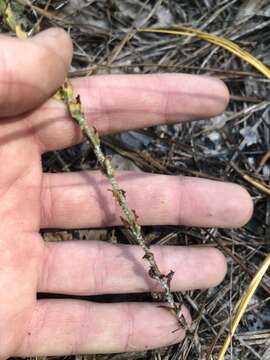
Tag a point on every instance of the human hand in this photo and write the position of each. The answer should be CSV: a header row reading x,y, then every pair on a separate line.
x,y
30,124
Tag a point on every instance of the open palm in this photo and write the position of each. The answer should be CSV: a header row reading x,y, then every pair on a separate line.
x,y
30,124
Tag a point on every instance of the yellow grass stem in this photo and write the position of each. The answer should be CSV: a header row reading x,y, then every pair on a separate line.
x,y
243,304
225,43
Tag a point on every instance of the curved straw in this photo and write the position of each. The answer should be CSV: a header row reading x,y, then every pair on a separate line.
x,y
243,54
244,303
225,43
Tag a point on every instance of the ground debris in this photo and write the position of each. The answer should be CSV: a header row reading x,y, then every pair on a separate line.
x,y
240,136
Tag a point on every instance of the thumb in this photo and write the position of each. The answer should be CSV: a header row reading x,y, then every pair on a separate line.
x,y
32,70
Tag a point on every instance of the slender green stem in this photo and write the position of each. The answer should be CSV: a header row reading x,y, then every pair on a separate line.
x,y
131,218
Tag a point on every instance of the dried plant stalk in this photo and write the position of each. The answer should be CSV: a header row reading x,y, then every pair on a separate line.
x,y
65,94
130,220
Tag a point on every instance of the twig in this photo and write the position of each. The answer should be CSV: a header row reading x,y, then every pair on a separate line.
x,y
130,220
259,185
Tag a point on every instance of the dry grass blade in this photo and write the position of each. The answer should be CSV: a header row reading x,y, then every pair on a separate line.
x,y
244,303
225,43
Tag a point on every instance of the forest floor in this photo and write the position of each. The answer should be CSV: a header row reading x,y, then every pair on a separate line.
x,y
226,147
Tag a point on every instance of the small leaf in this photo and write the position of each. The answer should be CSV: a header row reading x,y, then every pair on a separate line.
x,y
125,222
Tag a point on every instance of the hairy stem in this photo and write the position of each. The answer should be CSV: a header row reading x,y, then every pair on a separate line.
x,y
131,218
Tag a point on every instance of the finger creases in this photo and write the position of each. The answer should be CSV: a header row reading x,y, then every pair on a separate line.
x,y
31,70
119,102
94,268
83,199
78,327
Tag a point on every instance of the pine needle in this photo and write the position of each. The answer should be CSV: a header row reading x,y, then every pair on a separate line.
x,y
252,60
225,43
244,303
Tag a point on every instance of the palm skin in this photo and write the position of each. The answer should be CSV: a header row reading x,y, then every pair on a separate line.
x,y
22,248
31,200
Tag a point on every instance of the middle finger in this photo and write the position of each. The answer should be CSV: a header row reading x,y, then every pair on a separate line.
x,y
118,103
95,267
82,200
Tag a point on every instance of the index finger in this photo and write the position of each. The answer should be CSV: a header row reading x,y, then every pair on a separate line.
x,y
120,102
31,70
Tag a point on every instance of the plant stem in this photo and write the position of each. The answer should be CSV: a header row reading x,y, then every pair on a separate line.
x,y
130,220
